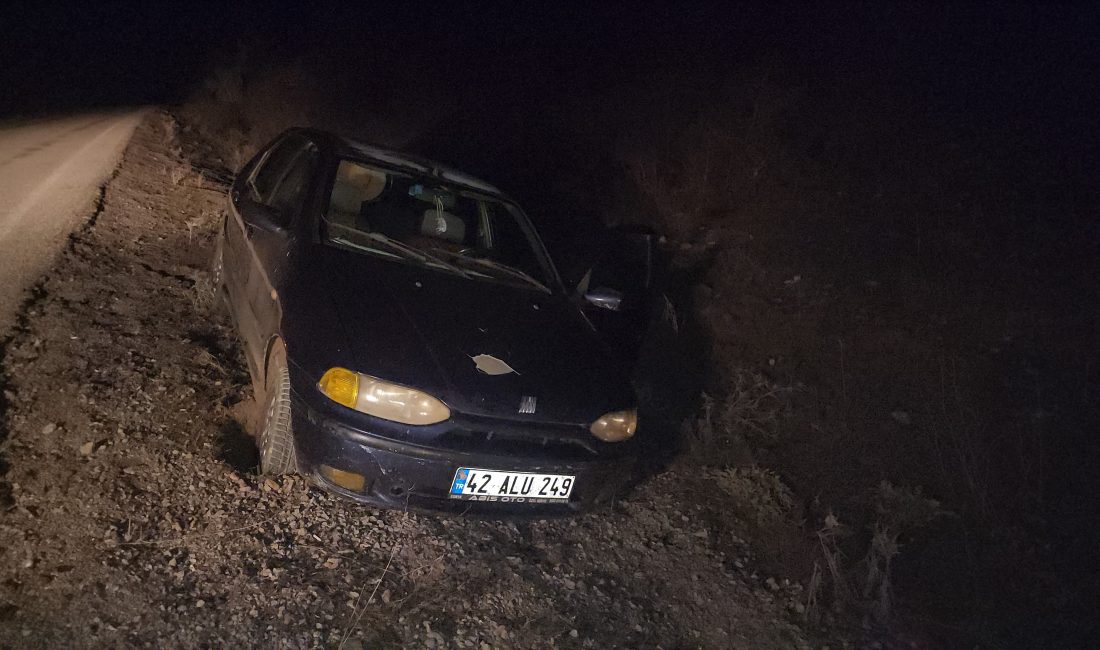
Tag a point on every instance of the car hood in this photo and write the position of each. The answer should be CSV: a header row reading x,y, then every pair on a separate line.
x,y
429,330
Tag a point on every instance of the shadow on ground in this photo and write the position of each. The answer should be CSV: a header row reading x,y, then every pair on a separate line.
x,y
237,448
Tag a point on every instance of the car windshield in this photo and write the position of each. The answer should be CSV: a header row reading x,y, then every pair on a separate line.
x,y
420,220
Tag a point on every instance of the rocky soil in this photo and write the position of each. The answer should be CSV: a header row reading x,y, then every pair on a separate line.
x,y
131,513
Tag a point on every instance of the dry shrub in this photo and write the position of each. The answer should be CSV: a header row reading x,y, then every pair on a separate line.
x,y
828,537
867,584
275,101
205,296
898,511
754,405
750,412
176,174
699,167
235,113
757,494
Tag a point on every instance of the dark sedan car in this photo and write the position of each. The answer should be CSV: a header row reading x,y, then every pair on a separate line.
x,y
412,340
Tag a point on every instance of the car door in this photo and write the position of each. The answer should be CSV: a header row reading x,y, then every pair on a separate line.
x,y
236,258
264,208
272,243
622,288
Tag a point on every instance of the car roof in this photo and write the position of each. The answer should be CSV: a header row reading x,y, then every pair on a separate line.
x,y
348,148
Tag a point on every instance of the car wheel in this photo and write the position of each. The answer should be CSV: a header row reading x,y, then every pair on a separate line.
x,y
277,453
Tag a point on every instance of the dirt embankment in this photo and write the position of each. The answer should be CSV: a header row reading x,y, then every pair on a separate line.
x,y
130,513
890,296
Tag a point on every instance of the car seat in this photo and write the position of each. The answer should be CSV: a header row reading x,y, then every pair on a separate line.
x,y
354,186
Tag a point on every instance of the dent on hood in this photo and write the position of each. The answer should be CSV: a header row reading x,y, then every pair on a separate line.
x,y
490,365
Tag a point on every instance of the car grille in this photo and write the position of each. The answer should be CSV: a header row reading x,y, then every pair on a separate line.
x,y
555,445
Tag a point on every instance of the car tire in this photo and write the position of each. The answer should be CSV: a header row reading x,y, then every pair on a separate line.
x,y
277,452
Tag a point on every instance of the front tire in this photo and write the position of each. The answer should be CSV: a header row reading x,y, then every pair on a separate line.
x,y
277,452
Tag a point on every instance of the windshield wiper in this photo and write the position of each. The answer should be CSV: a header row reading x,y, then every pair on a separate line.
x,y
408,251
511,270
347,242
393,243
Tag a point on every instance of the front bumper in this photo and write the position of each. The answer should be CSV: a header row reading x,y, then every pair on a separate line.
x,y
418,477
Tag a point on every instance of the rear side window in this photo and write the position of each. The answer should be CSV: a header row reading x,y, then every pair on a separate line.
x,y
282,181
267,177
291,191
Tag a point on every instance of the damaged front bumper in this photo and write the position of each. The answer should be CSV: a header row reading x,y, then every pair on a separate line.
x,y
416,474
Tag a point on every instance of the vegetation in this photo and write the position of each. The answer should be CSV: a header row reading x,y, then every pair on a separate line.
x,y
875,342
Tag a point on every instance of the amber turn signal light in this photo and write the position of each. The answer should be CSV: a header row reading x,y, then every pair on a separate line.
x,y
343,478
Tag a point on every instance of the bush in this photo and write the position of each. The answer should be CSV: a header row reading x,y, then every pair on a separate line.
x,y
749,412
757,494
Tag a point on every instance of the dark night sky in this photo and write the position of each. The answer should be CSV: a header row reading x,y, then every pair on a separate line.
x,y
1019,74
1019,78
988,53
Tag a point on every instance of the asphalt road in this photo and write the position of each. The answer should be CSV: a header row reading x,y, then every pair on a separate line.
x,y
50,174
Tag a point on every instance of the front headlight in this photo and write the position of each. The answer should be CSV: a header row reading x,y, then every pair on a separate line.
x,y
382,399
615,426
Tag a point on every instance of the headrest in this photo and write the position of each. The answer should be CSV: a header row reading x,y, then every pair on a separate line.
x,y
443,225
356,185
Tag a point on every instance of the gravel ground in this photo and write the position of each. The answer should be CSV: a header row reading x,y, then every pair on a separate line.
x,y
131,515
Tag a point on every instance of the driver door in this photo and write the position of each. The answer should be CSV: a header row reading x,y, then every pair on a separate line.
x,y
264,209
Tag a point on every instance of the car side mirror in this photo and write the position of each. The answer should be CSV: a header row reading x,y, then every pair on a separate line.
x,y
263,217
604,298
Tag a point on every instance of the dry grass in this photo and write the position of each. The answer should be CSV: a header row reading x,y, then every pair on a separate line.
x,y
176,173
867,585
898,511
757,494
833,559
236,114
711,164
749,412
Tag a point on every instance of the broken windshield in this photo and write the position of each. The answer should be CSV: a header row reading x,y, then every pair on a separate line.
x,y
421,220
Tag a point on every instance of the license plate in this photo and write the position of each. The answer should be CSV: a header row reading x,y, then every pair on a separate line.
x,y
473,484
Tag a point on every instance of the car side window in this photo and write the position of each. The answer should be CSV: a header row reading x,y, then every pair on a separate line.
x,y
509,243
266,179
282,180
291,191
